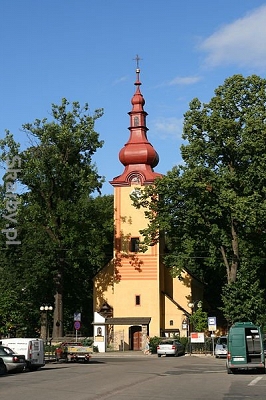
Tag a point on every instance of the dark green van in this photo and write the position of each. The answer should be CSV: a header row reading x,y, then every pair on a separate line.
x,y
245,348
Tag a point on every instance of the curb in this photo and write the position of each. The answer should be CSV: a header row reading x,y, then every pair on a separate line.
x,y
119,354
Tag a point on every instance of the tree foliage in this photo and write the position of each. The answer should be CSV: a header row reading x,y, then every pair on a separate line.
x,y
244,299
66,232
212,208
199,320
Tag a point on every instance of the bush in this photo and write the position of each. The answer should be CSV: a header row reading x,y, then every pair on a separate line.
x,y
87,342
185,343
49,349
154,341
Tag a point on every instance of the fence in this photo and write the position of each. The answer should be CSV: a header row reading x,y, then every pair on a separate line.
x,y
201,348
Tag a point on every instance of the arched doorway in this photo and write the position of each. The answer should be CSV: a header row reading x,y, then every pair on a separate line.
x,y
135,336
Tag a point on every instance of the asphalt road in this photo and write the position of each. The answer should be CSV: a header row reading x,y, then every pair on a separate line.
x,y
135,378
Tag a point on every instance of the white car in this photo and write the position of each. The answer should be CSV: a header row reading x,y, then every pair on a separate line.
x,y
221,347
170,347
13,361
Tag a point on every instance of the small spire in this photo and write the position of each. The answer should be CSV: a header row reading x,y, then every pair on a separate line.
x,y
138,155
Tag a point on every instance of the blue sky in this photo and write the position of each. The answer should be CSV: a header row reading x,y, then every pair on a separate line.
x,y
83,50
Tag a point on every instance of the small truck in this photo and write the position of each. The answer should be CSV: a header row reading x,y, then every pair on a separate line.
x,y
74,352
245,348
31,348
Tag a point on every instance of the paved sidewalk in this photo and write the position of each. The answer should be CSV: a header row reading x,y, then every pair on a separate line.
x,y
128,353
139,354
131,353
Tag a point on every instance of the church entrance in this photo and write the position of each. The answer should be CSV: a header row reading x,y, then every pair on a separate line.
x,y
135,337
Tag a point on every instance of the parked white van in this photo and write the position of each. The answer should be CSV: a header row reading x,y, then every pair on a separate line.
x,y
32,349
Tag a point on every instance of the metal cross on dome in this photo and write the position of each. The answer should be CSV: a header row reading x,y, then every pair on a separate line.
x,y
137,59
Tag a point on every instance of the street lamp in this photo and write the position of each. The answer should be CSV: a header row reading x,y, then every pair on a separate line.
x,y
44,310
193,304
185,324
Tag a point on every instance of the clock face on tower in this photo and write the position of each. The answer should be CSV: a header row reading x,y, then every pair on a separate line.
x,y
135,179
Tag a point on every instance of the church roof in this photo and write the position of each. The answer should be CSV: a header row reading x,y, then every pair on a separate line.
x,y
128,321
125,321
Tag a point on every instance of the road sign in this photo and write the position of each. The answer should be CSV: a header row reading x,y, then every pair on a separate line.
x,y
212,324
77,316
77,325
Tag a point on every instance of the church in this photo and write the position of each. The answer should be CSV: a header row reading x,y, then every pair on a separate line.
x,y
135,295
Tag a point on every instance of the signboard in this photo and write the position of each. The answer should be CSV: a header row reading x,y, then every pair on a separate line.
x,y
212,324
77,316
98,338
197,337
184,325
77,325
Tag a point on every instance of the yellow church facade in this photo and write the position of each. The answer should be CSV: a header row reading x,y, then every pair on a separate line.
x,y
135,294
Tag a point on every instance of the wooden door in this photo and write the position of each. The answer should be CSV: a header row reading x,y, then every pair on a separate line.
x,y
136,337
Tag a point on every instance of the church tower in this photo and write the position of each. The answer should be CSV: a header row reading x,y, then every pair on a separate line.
x,y
135,295
136,274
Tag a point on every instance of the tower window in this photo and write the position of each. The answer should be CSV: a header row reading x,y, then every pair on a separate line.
x,y
136,121
134,245
137,300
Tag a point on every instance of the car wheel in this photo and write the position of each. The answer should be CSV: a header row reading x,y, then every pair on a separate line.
x,y
176,354
159,355
32,369
229,371
3,370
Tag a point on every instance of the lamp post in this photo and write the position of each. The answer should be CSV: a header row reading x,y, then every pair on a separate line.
x,y
193,305
44,321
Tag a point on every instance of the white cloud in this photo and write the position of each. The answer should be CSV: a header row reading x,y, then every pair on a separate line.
x,y
119,80
241,42
186,80
167,127
181,80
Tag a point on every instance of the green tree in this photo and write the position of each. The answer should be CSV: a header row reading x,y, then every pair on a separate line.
x,y
199,320
212,208
66,232
244,299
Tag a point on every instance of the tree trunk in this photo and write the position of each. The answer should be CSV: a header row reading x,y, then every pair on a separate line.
x,y
43,325
225,263
58,316
58,306
231,269
235,248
